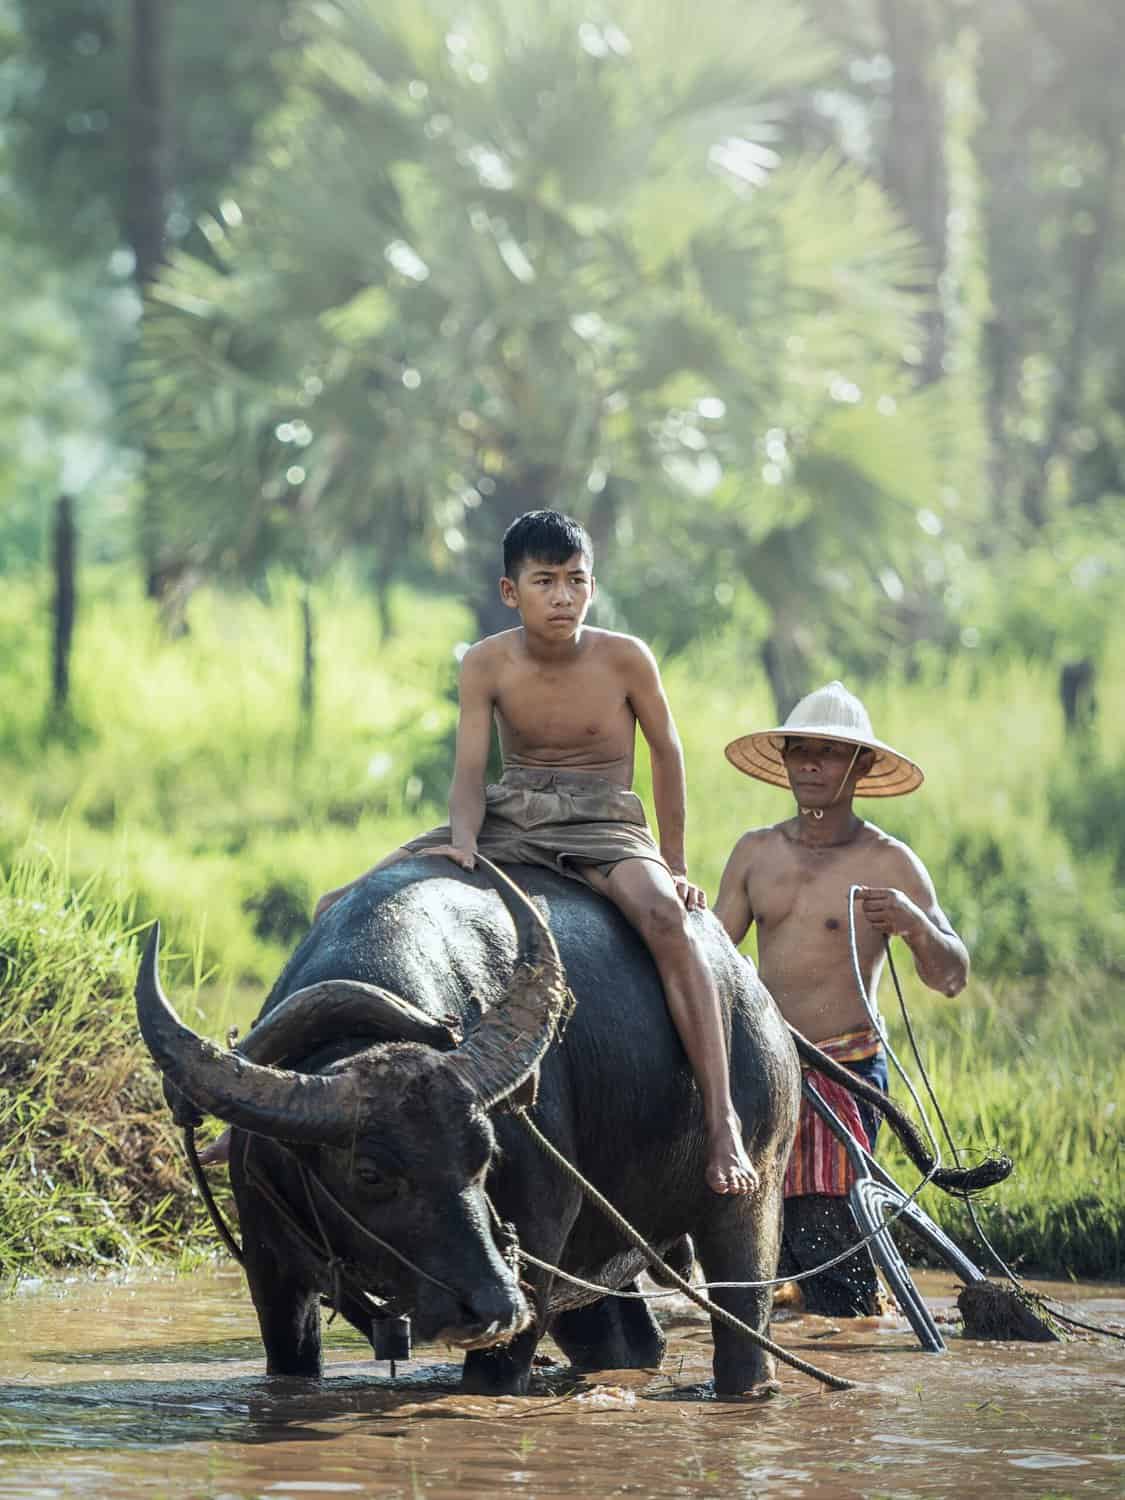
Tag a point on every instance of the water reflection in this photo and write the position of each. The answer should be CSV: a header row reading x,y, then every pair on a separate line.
x,y
155,1389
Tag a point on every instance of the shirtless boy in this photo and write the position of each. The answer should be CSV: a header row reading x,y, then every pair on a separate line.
x,y
793,880
567,699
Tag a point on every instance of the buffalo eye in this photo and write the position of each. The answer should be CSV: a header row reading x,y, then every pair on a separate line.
x,y
378,1184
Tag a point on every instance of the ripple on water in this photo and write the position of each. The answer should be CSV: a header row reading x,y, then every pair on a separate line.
x,y
155,1389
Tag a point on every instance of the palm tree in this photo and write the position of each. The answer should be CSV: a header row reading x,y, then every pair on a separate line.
x,y
500,255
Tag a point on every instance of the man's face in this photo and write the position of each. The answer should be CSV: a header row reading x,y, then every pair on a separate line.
x,y
552,598
819,771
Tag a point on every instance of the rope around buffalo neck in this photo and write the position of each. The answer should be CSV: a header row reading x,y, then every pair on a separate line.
x,y
705,1286
836,1382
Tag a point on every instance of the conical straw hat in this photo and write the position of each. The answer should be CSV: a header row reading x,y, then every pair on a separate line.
x,y
831,713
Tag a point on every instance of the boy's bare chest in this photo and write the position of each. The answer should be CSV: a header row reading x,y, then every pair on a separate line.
x,y
572,704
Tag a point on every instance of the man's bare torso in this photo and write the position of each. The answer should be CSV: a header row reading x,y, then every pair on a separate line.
x,y
571,714
799,898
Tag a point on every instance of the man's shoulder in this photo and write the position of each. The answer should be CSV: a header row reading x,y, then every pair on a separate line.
x,y
756,842
893,853
886,843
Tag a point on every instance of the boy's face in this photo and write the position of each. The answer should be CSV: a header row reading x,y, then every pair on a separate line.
x,y
552,598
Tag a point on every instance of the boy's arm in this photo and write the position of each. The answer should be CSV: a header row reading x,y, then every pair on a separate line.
x,y
669,788
732,906
913,914
474,738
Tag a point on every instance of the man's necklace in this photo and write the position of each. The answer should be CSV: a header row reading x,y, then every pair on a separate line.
x,y
817,813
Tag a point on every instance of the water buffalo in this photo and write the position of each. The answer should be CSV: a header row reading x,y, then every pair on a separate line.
x,y
368,1105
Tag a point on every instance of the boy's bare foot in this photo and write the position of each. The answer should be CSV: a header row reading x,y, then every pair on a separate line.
x,y
729,1169
217,1152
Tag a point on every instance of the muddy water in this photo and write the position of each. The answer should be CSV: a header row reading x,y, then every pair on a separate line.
x,y
154,1389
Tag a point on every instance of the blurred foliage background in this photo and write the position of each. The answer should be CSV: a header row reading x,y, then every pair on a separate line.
x,y
814,314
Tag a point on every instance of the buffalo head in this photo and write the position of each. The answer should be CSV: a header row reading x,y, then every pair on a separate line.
x,y
396,1136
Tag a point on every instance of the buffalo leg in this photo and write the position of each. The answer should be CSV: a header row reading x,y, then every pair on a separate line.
x,y
288,1316
613,1334
501,1371
740,1243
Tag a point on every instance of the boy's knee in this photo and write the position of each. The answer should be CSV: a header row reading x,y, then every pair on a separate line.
x,y
663,921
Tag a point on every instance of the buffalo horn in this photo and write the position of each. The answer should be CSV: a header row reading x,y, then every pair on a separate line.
x,y
504,1049
268,1101
337,1008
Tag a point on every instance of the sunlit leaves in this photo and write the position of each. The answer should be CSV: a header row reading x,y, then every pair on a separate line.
x,y
518,242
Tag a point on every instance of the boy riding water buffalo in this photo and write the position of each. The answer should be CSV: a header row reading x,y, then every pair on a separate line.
x,y
567,700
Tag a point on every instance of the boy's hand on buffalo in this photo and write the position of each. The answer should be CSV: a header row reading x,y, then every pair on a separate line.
x,y
693,896
890,911
466,858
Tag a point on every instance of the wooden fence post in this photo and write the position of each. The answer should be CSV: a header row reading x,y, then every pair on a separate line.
x,y
63,556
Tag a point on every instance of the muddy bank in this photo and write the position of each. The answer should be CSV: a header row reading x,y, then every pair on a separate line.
x,y
155,1388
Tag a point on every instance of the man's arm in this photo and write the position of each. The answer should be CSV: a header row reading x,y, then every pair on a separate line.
x,y
669,789
913,914
732,906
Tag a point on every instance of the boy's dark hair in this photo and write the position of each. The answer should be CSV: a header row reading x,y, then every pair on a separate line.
x,y
547,536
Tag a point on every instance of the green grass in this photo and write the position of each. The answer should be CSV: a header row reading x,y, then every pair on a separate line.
x,y
181,780
90,1171
182,789
1038,1072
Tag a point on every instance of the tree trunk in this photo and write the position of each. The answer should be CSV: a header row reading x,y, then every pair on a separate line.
x,y
1077,694
148,132
307,694
915,171
63,561
1001,368
390,550
534,488
786,668
146,199
1088,263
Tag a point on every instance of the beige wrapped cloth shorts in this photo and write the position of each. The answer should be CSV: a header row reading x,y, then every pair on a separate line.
x,y
562,820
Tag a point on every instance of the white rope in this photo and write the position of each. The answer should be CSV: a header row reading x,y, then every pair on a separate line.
x,y
872,1009
860,1244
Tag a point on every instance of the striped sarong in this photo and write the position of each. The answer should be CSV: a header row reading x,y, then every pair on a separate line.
x,y
819,1162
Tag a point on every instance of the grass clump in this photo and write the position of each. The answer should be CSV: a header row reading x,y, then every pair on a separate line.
x,y
187,786
1038,1073
90,1170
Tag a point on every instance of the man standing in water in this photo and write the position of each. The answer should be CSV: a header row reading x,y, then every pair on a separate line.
x,y
567,700
793,879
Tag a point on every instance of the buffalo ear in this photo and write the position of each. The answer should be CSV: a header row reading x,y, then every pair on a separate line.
x,y
338,1008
